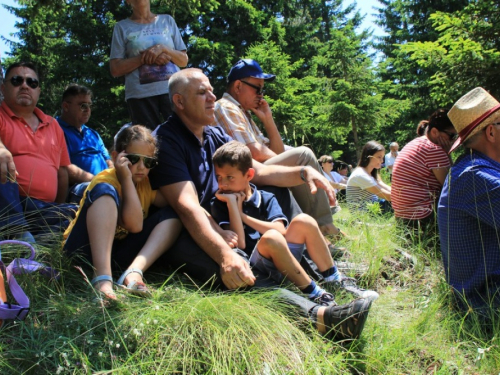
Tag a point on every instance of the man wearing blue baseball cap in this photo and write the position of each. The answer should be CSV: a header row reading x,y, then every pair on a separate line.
x,y
245,95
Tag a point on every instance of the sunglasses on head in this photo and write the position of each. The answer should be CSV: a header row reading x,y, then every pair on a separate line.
x,y
260,90
148,161
17,81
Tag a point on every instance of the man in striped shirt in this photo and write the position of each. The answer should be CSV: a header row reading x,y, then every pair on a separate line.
x,y
233,112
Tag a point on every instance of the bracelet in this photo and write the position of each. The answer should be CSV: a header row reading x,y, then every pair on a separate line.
x,y
302,176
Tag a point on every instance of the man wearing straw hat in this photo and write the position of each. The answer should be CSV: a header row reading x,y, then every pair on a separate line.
x,y
469,207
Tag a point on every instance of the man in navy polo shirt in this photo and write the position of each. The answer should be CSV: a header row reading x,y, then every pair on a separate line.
x,y
86,149
186,178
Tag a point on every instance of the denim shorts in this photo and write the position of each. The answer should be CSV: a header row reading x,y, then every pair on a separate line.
x,y
267,266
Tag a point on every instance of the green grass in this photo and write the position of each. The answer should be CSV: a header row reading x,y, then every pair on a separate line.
x,y
185,329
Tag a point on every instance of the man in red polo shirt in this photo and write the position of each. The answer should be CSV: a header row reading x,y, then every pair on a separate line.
x,y
33,159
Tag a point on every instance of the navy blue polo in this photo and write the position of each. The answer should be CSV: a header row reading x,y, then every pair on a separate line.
x,y
261,205
181,157
86,148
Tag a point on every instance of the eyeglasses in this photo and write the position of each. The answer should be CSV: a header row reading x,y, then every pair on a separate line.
x,y
328,161
84,106
148,161
17,81
453,136
260,90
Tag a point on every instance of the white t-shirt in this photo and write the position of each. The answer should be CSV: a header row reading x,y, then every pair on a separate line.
x,y
130,38
357,196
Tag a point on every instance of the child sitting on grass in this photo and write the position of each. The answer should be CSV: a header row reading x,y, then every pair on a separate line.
x,y
112,223
256,217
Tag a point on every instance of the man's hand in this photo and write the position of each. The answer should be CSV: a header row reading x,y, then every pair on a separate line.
x,y
262,111
235,271
316,180
122,166
7,166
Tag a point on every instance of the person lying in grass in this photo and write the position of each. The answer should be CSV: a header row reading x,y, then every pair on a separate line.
x,y
257,219
112,223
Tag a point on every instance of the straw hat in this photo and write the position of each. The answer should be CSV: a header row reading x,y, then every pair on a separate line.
x,y
473,112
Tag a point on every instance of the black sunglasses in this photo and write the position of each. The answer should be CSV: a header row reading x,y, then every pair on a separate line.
x,y
17,81
453,136
148,161
260,90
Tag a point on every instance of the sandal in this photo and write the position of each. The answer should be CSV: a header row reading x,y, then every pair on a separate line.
x,y
109,296
134,287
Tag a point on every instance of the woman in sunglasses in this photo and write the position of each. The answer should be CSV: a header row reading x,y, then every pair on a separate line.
x,y
420,170
112,223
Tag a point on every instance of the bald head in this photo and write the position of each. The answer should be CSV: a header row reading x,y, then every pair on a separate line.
x,y
192,98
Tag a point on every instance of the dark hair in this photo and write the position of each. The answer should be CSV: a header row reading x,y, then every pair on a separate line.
x,y
439,120
129,134
339,165
325,159
235,154
73,90
21,64
370,149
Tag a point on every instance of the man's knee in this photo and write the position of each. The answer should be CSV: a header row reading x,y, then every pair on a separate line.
x,y
307,157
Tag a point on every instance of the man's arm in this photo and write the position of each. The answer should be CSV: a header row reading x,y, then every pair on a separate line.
x,y
7,166
235,272
77,175
279,175
62,184
265,115
260,152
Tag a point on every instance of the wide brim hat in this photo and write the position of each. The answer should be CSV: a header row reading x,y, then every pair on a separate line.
x,y
472,113
248,68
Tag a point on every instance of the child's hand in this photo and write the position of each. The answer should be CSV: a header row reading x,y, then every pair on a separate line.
x,y
240,198
122,166
224,197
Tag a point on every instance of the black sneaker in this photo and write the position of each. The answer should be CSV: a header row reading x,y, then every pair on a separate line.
x,y
349,284
326,299
346,322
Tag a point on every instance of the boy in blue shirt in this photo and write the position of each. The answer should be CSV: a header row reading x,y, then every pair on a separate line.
x,y
256,217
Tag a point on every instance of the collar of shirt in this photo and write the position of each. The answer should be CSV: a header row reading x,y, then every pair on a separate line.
x,y
256,198
44,119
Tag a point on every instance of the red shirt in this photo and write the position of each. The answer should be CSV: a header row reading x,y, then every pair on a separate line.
x,y
415,188
37,155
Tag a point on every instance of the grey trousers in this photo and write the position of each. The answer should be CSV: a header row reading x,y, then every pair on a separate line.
x,y
316,205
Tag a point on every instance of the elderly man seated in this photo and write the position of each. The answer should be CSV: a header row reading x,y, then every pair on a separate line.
x,y
469,207
245,95
33,160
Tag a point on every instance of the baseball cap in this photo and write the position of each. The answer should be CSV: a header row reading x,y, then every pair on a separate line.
x,y
248,68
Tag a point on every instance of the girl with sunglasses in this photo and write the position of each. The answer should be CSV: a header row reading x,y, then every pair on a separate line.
x,y
112,224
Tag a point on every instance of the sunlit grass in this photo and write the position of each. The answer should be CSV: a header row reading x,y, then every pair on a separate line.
x,y
412,328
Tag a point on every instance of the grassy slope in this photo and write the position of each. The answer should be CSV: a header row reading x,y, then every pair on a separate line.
x,y
186,329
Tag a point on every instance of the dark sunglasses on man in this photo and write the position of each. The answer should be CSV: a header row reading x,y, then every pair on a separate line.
x,y
17,81
260,90
148,161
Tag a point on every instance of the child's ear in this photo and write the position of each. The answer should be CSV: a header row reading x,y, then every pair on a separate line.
x,y
250,174
114,154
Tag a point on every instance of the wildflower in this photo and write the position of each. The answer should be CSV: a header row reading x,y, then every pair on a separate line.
x,y
117,346
136,332
157,307
110,342
64,355
99,354
155,321
59,369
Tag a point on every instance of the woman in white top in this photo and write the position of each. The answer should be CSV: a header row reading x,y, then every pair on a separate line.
x,y
365,185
